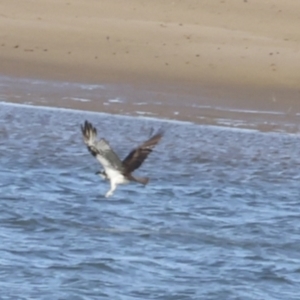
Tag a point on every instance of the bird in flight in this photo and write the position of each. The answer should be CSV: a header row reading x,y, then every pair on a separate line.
x,y
115,170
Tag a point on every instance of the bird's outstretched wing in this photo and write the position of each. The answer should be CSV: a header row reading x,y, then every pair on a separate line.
x,y
100,149
137,156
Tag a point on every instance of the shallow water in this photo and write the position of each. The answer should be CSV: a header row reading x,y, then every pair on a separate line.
x,y
218,220
167,102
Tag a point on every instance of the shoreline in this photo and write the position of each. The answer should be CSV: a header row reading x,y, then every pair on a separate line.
x,y
150,102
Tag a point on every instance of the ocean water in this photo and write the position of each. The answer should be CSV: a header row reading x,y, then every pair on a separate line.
x,y
219,218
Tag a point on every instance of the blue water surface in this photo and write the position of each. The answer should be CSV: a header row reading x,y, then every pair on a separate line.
x,y
219,218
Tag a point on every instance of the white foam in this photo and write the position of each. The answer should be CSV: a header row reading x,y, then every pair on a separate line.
x,y
77,99
144,117
144,113
93,113
140,103
91,87
246,111
116,100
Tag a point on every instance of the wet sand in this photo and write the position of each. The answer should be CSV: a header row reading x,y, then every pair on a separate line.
x,y
234,53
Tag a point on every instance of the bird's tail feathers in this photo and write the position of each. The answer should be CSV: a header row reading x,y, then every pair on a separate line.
x,y
142,180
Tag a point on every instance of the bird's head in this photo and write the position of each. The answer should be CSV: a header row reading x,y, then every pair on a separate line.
x,y
102,174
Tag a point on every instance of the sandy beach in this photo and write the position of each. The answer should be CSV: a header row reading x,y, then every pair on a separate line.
x,y
242,52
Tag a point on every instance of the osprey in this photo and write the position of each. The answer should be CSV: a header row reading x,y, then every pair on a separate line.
x,y
115,170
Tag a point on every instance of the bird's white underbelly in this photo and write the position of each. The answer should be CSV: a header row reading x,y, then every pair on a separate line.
x,y
116,177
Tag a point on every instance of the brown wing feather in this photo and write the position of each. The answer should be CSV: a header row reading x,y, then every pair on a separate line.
x,y
137,156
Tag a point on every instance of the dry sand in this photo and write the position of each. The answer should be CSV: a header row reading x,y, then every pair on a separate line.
x,y
243,50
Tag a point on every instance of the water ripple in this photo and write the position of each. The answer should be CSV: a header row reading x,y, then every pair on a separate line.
x,y
219,219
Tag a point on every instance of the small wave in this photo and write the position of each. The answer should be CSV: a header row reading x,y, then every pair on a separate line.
x,y
91,87
144,112
77,99
116,100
